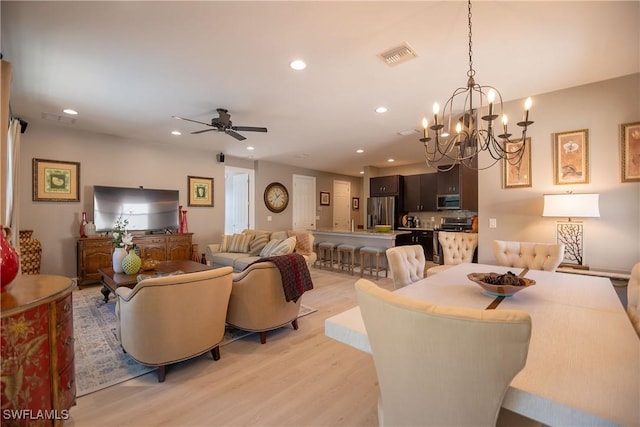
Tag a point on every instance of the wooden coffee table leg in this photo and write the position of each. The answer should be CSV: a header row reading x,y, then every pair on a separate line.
x,y
105,291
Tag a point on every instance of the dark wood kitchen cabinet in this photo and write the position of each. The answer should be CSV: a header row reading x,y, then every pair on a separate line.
x,y
423,238
463,181
386,186
420,192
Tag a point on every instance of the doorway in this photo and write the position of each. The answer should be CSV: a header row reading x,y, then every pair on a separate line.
x,y
342,205
304,202
239,210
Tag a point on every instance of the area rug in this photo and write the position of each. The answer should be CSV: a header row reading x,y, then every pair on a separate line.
x,y
99,359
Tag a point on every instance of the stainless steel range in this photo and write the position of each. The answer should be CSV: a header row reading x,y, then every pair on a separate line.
x,y
449,224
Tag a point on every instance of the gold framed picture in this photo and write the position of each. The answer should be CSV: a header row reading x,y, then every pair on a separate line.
x,y
56,181
325,198
355,203
630,151
516,172
200,191
571,157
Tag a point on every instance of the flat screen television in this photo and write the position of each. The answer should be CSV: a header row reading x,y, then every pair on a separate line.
x,y
145,209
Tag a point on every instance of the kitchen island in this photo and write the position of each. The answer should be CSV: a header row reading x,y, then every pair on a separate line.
x,y
359,237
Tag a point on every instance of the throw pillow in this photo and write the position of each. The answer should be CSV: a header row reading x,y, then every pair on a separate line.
x,y
258,243
303,241
239,243
226,241
268,248
279,247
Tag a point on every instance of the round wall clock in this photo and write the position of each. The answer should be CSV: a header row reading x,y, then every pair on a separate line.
x,y
276,197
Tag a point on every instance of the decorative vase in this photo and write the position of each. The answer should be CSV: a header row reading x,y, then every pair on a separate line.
x,y
8,259
118,256
83,224
131,263
90,229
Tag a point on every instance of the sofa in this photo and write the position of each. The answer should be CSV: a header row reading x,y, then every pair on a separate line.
x,y
241,249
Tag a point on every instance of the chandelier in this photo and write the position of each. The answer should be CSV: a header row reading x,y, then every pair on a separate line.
x,y
474,131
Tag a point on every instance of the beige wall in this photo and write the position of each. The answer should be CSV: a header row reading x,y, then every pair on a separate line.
x,y
106,160
611,241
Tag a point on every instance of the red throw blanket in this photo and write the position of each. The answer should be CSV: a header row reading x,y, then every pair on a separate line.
x,y
296,278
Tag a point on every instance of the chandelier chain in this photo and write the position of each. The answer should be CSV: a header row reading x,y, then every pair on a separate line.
x,y
471,72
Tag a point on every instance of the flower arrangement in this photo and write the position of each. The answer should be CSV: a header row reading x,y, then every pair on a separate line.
x,y
120,236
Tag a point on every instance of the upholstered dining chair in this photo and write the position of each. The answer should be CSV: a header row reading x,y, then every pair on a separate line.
x,y
456,374
633,298
457,247
164,320
406,264
532,255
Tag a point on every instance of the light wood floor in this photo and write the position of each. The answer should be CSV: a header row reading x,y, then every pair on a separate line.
x,y
298,378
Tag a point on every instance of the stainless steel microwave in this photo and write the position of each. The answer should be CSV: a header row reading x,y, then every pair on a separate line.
x,y
448,201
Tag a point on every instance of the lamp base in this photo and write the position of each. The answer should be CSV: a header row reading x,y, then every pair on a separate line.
x,y
574,266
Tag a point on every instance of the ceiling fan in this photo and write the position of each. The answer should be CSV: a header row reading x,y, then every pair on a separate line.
x,y
223,124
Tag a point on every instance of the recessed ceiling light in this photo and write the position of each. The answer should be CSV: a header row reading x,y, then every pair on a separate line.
x,y
391,160
444,134
298,65
250,148
70,111
407,132
359,150
176,132
361,172
381,110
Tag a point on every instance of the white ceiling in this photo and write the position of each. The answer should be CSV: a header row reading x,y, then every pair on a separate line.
x,y
128,67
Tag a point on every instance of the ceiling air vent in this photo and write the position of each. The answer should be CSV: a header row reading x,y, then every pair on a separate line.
x,y
398,55
57,118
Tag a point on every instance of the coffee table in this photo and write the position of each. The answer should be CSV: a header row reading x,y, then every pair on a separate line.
x,y
111,280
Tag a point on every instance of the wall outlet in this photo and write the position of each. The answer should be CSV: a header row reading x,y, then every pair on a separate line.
x,y
269,218
493,223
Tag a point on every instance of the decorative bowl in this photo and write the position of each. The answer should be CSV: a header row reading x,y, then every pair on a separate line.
x,y
383,228
149,264
500,290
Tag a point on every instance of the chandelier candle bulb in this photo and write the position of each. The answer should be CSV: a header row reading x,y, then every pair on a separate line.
x,y
425,124
527,106
436,111
491,96
505,120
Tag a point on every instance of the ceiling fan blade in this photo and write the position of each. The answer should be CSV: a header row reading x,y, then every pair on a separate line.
x,y
189,120
202,131
248,129
235,135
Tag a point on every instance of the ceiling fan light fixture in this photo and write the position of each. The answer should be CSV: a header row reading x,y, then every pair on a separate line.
x,y
381,110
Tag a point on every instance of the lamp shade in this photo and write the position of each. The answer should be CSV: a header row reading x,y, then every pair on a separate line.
x,y
571,205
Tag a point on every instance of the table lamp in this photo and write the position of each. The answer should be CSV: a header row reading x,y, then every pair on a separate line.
x,y
570,232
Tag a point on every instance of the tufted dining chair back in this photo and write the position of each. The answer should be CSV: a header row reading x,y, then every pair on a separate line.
x,y
536,256
456,374
406,264
633,298
457,247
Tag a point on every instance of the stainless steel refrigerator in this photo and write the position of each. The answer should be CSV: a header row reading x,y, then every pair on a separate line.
x,y
382,211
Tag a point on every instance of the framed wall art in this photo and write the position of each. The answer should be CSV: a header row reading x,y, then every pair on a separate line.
x,y
630,151
517,172
355,203
200,191
56,181
325,198
571,157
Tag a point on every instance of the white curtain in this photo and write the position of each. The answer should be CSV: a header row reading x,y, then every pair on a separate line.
x,y
13,190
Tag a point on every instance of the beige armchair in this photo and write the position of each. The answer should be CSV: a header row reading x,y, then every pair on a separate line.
x,y
536,256
439,365
168,319
406,264
633,298
457,247
258,302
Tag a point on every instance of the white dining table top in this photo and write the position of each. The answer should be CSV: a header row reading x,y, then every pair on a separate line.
x,y
583,365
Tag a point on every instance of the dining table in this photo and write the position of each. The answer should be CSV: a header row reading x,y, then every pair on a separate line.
x,y
583,364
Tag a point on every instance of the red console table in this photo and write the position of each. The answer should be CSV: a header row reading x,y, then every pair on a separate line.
x,y
38,374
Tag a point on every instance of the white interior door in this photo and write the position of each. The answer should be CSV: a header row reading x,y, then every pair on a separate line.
x,y
342,205
304,202
238,196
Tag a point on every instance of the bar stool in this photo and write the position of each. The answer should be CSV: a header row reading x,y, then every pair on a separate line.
x,y
366,254
325,254
347,257
317,251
